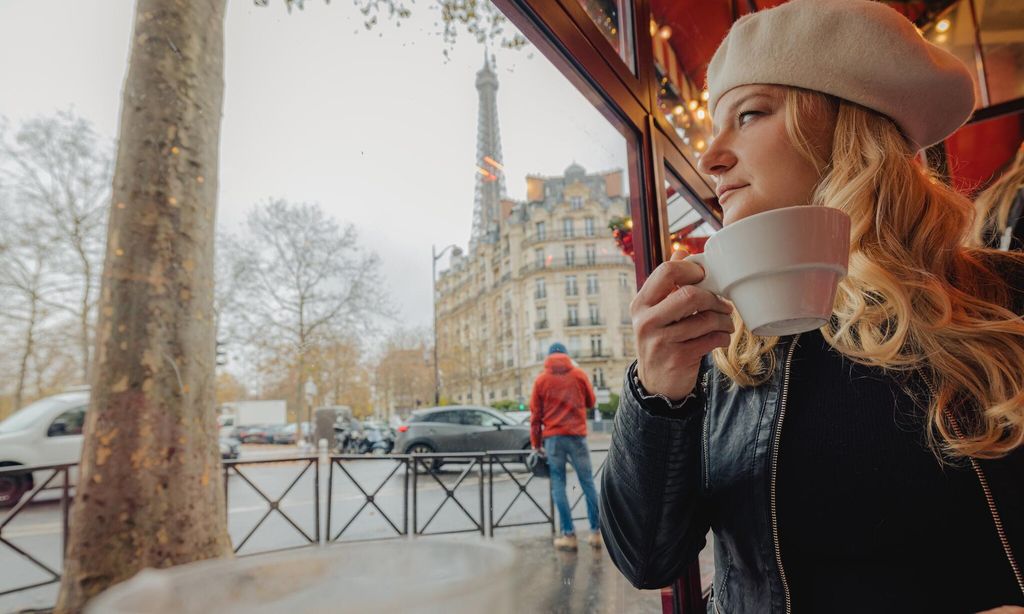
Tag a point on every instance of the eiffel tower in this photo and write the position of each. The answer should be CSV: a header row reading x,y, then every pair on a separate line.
x,y
490,176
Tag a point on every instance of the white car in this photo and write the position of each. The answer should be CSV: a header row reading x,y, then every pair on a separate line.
x,y
47,432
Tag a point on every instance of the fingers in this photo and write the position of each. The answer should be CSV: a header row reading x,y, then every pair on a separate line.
x,y
705,343
682,303
666,278
699,325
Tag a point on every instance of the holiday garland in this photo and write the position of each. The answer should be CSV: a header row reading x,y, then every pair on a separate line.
x,y
622,231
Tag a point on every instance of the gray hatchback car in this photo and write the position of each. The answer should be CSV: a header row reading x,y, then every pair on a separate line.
x,y
460,428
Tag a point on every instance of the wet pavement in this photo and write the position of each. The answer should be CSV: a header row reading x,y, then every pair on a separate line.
x,y
568,582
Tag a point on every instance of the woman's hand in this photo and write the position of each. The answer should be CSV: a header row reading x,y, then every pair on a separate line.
x,y
1006,609
676,324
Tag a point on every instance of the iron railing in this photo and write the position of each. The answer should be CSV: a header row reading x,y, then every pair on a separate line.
x,y
41,484
469,493
274,505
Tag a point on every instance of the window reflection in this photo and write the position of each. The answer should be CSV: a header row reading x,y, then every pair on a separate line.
x,y
998,69
684,36
613,19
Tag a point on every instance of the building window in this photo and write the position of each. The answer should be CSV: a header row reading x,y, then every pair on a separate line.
x,y
570,286
539,257
591,254
570,255
576,202
598,378
542,232
572,315
627,345
541,289
490,395
542,318
592,283
574,345
567,228
588,225
595,345
595,314
624,281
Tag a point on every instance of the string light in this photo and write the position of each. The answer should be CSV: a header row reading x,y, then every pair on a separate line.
x,y
678,110
693,105
704,95
701,114
942,26
665,32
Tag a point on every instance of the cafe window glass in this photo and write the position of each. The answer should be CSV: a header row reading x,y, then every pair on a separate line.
x,y
614,20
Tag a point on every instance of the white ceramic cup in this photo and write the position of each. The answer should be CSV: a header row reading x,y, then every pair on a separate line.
x,y
779,268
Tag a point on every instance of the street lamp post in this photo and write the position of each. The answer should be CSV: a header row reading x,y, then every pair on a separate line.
x,y
433,295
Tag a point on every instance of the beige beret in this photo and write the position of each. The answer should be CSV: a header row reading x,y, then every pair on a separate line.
x,y
859,50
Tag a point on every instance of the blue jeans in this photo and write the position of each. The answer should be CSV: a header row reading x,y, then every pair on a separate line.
x,y
573,448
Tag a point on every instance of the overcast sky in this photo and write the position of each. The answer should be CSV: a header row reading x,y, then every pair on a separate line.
x,y
375,126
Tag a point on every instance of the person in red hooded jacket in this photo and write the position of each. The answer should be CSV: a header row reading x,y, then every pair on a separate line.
x,y
561,396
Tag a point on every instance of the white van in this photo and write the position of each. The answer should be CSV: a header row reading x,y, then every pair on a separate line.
x,y
47,432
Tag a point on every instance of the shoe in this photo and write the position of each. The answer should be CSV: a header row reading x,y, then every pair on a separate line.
x,y
565,542
594,539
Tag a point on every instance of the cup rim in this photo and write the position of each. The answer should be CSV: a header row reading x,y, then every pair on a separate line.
x,y
774,212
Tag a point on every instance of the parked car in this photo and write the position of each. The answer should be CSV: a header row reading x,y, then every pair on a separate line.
x,y
521,417
286,433
256,433
460,428
49,432
229,448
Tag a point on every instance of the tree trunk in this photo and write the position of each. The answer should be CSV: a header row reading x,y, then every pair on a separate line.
x,y
19,393
84,318
150,490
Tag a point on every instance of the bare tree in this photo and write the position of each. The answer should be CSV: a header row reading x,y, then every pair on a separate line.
x,y
302,278
26,283
404,375
150,491
58,173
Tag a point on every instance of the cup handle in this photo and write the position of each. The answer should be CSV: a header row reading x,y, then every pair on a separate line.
x,y
708,283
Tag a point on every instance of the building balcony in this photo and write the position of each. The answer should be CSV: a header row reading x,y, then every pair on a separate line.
x,y
540,325
576,263
584,322
537,294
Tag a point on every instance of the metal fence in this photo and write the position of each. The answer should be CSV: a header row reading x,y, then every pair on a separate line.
x,y
420,495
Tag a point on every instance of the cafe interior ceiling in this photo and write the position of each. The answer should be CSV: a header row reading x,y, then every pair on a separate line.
x,y
698,26
694,28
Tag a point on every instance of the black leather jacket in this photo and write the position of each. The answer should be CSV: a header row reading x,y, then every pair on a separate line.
x,y
656,502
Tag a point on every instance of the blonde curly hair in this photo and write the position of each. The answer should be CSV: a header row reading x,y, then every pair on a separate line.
x,y
917,298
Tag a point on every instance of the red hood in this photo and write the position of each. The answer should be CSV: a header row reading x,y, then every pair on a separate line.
x,y
558,363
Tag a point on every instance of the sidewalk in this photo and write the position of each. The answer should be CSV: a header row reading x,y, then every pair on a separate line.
x,y
569,582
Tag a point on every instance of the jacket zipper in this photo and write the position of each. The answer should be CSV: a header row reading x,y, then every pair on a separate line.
x,y
989,499
707,454
774,472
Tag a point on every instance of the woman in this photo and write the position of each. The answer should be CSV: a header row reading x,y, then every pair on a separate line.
x,y
875,465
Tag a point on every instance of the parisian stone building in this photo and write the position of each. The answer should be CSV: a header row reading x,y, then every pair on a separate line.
x,y
551,273
536,272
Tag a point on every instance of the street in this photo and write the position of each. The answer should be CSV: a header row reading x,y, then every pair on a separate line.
x,y
37,529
